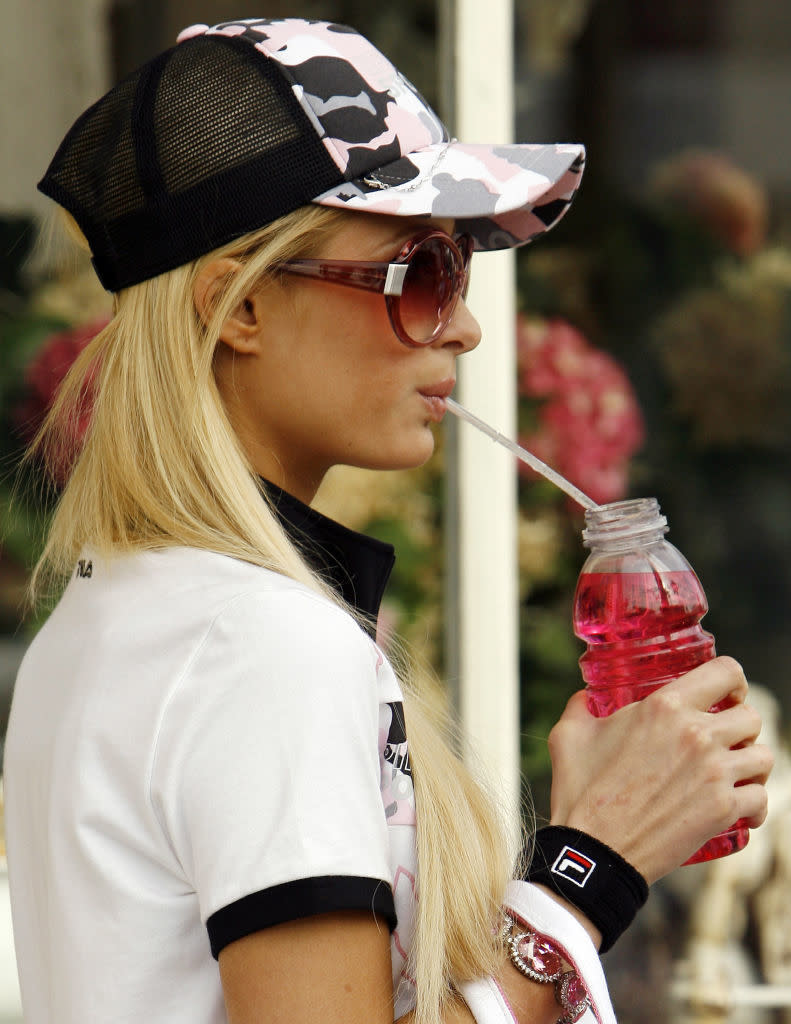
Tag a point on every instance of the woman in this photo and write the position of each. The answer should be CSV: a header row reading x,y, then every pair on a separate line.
x,y
207,756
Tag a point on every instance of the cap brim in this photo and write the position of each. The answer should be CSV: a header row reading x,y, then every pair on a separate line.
x,y
503,196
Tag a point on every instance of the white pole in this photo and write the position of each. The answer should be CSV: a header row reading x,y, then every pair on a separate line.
x,y
487,638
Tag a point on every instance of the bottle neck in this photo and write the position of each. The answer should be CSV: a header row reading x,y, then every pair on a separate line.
x,y
622,524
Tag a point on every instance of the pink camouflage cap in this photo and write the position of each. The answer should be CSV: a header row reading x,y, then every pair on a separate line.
x,y
243,122
393,150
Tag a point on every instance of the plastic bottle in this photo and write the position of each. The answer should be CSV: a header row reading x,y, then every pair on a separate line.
x,y
638,606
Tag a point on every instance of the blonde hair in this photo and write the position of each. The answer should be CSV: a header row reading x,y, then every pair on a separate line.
x,y
161,465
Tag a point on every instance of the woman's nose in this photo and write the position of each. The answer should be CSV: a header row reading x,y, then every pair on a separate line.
x,y
463,331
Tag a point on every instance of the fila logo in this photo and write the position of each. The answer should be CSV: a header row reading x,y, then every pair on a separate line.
x,y
574,866
84,569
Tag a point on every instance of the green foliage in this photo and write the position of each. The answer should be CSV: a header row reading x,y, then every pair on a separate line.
x,y
24,502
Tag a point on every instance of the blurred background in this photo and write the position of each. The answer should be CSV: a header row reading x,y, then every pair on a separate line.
x,y
654,341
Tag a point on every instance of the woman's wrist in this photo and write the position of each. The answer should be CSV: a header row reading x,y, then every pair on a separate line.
x,y
593,881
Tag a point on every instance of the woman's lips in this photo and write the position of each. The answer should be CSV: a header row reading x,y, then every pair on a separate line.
x,y
434,396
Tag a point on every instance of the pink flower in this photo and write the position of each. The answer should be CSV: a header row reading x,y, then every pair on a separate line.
x,y
43,378
589,423
548,352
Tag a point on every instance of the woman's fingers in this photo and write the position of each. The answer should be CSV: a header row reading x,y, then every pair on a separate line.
x,y
738,725
717,681
752,803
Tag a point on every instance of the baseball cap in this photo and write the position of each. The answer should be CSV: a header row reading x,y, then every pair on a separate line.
x,y
241,123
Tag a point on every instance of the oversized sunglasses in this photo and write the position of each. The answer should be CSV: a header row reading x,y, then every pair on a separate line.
x,y
421,286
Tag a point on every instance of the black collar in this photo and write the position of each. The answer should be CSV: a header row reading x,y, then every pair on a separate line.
x,y
356,566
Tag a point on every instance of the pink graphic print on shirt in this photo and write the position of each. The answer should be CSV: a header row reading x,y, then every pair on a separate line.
x,y
398,793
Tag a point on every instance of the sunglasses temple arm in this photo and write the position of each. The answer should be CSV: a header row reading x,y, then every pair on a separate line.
x,y
363,276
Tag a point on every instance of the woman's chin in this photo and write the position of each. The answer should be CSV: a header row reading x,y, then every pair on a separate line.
x,y
404,456
418,454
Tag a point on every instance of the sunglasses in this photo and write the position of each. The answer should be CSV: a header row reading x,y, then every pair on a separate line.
x,y
421,286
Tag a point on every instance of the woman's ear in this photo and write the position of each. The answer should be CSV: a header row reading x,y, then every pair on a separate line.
x,y
241,329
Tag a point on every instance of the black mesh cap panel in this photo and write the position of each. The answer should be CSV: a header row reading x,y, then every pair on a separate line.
x,y
249,118
101,139
200,146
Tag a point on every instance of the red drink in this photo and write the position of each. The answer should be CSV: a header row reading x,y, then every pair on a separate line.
x,y
642,630
638,607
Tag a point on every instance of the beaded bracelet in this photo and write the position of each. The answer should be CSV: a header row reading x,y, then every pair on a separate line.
x,y
537,957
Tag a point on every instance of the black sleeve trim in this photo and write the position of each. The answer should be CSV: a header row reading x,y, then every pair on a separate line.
x,y
291,901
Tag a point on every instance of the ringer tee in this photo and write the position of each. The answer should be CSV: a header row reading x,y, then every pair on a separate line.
x,y
198,749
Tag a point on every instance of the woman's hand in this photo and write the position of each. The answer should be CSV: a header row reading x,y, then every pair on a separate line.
x,y
659,777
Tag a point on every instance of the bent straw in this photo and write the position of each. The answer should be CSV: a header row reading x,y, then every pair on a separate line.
x,y
523,455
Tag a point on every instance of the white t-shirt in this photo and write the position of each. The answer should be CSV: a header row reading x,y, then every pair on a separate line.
x,y
195,743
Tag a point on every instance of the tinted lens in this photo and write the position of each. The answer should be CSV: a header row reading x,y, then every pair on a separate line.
x,y
432,283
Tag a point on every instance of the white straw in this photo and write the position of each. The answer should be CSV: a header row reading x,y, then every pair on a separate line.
x,y
523,454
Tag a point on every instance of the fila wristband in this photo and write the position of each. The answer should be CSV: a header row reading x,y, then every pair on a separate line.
x,y
591,876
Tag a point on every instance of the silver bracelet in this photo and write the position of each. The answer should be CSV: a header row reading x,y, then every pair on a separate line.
x,y
537,957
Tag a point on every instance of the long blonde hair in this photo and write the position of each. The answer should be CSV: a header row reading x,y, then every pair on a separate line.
x,y
161,465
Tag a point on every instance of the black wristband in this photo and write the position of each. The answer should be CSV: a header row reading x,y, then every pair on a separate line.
x,y
591,876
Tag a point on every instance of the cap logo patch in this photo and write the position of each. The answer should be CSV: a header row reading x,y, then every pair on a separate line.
x,y
574,866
